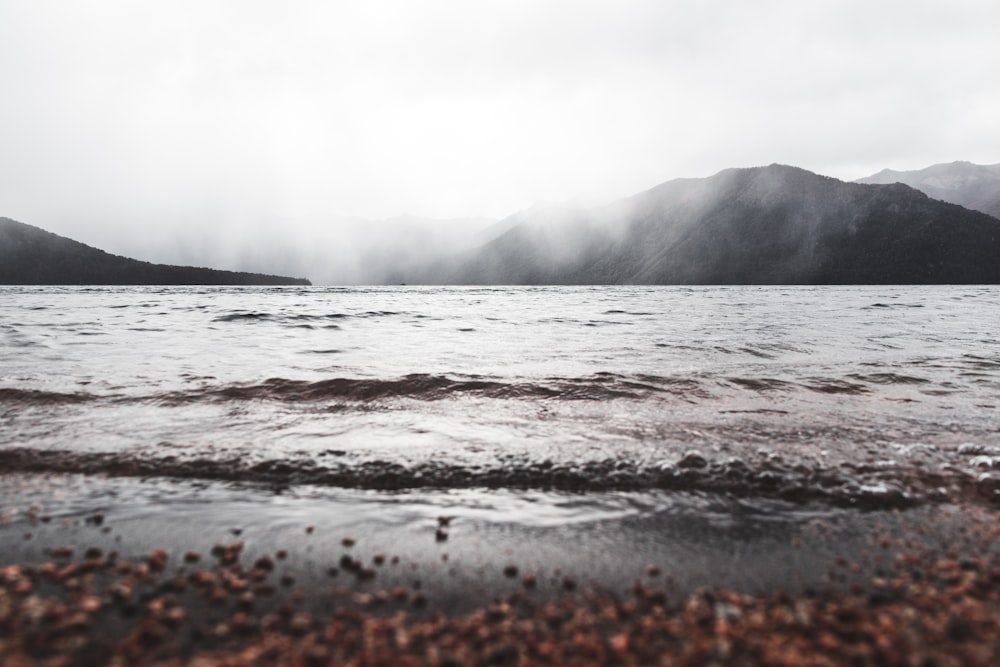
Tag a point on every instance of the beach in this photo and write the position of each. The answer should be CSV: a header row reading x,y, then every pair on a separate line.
x,y
235,576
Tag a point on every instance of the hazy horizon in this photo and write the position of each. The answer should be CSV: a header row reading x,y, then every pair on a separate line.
x,y
213,132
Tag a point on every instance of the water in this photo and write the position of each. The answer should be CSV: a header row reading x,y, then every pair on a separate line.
x,y
751,438
870,396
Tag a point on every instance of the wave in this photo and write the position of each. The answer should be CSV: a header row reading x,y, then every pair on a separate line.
x,y
423,386
432,387
283,318
38,397
868,487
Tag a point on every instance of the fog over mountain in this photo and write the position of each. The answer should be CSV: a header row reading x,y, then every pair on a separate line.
x,y
764,225
970,185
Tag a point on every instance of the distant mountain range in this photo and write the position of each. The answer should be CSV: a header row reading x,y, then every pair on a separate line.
x,y
763,225
970,185
33,256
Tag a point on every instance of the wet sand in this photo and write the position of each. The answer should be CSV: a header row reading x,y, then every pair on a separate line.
x,y
98,570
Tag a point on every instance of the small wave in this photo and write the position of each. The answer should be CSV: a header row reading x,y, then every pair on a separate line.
x,y
888,378
762,384
981,363
626,312
895,305
38,397
300,319
847,486
761,354
243,317
831,386
434,387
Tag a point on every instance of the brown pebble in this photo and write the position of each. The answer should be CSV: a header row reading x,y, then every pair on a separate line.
x,y
237,585
378,558
348,541
287,580
510,571
281,554
192,557
444,520
318,655
89,604
93,553
175,616
157,560
264,563
653,570
441,534
529,581
300,623
309,529
61,552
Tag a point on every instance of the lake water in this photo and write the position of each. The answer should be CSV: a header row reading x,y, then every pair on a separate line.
x,y
740,437
852,396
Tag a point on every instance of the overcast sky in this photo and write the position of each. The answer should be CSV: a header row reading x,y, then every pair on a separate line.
x,y
124,121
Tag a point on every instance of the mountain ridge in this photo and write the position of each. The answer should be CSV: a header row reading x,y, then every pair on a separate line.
x,y
30,255
760,225
974,186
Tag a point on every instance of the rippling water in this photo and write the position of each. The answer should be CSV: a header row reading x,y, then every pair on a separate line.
x,y
853,395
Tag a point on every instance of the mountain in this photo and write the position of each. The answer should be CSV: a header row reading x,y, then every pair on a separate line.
x,y
33,256
763,225
974,186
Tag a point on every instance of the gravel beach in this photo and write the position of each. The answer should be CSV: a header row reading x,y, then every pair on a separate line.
x,y
242,576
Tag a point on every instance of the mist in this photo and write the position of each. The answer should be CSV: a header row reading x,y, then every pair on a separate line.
x,y
255,137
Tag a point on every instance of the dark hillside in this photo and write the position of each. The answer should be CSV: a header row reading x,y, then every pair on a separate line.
x,y
975,186
765,225
33,256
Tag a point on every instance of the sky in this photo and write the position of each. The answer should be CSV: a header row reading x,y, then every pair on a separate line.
x,y
168,129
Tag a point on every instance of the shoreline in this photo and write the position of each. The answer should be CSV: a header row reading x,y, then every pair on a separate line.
x,y
153,570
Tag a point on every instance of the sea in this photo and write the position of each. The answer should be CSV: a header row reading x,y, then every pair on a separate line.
x,y
633,411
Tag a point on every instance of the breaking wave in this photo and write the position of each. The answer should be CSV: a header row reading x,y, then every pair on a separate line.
x,y
860,486
432,387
